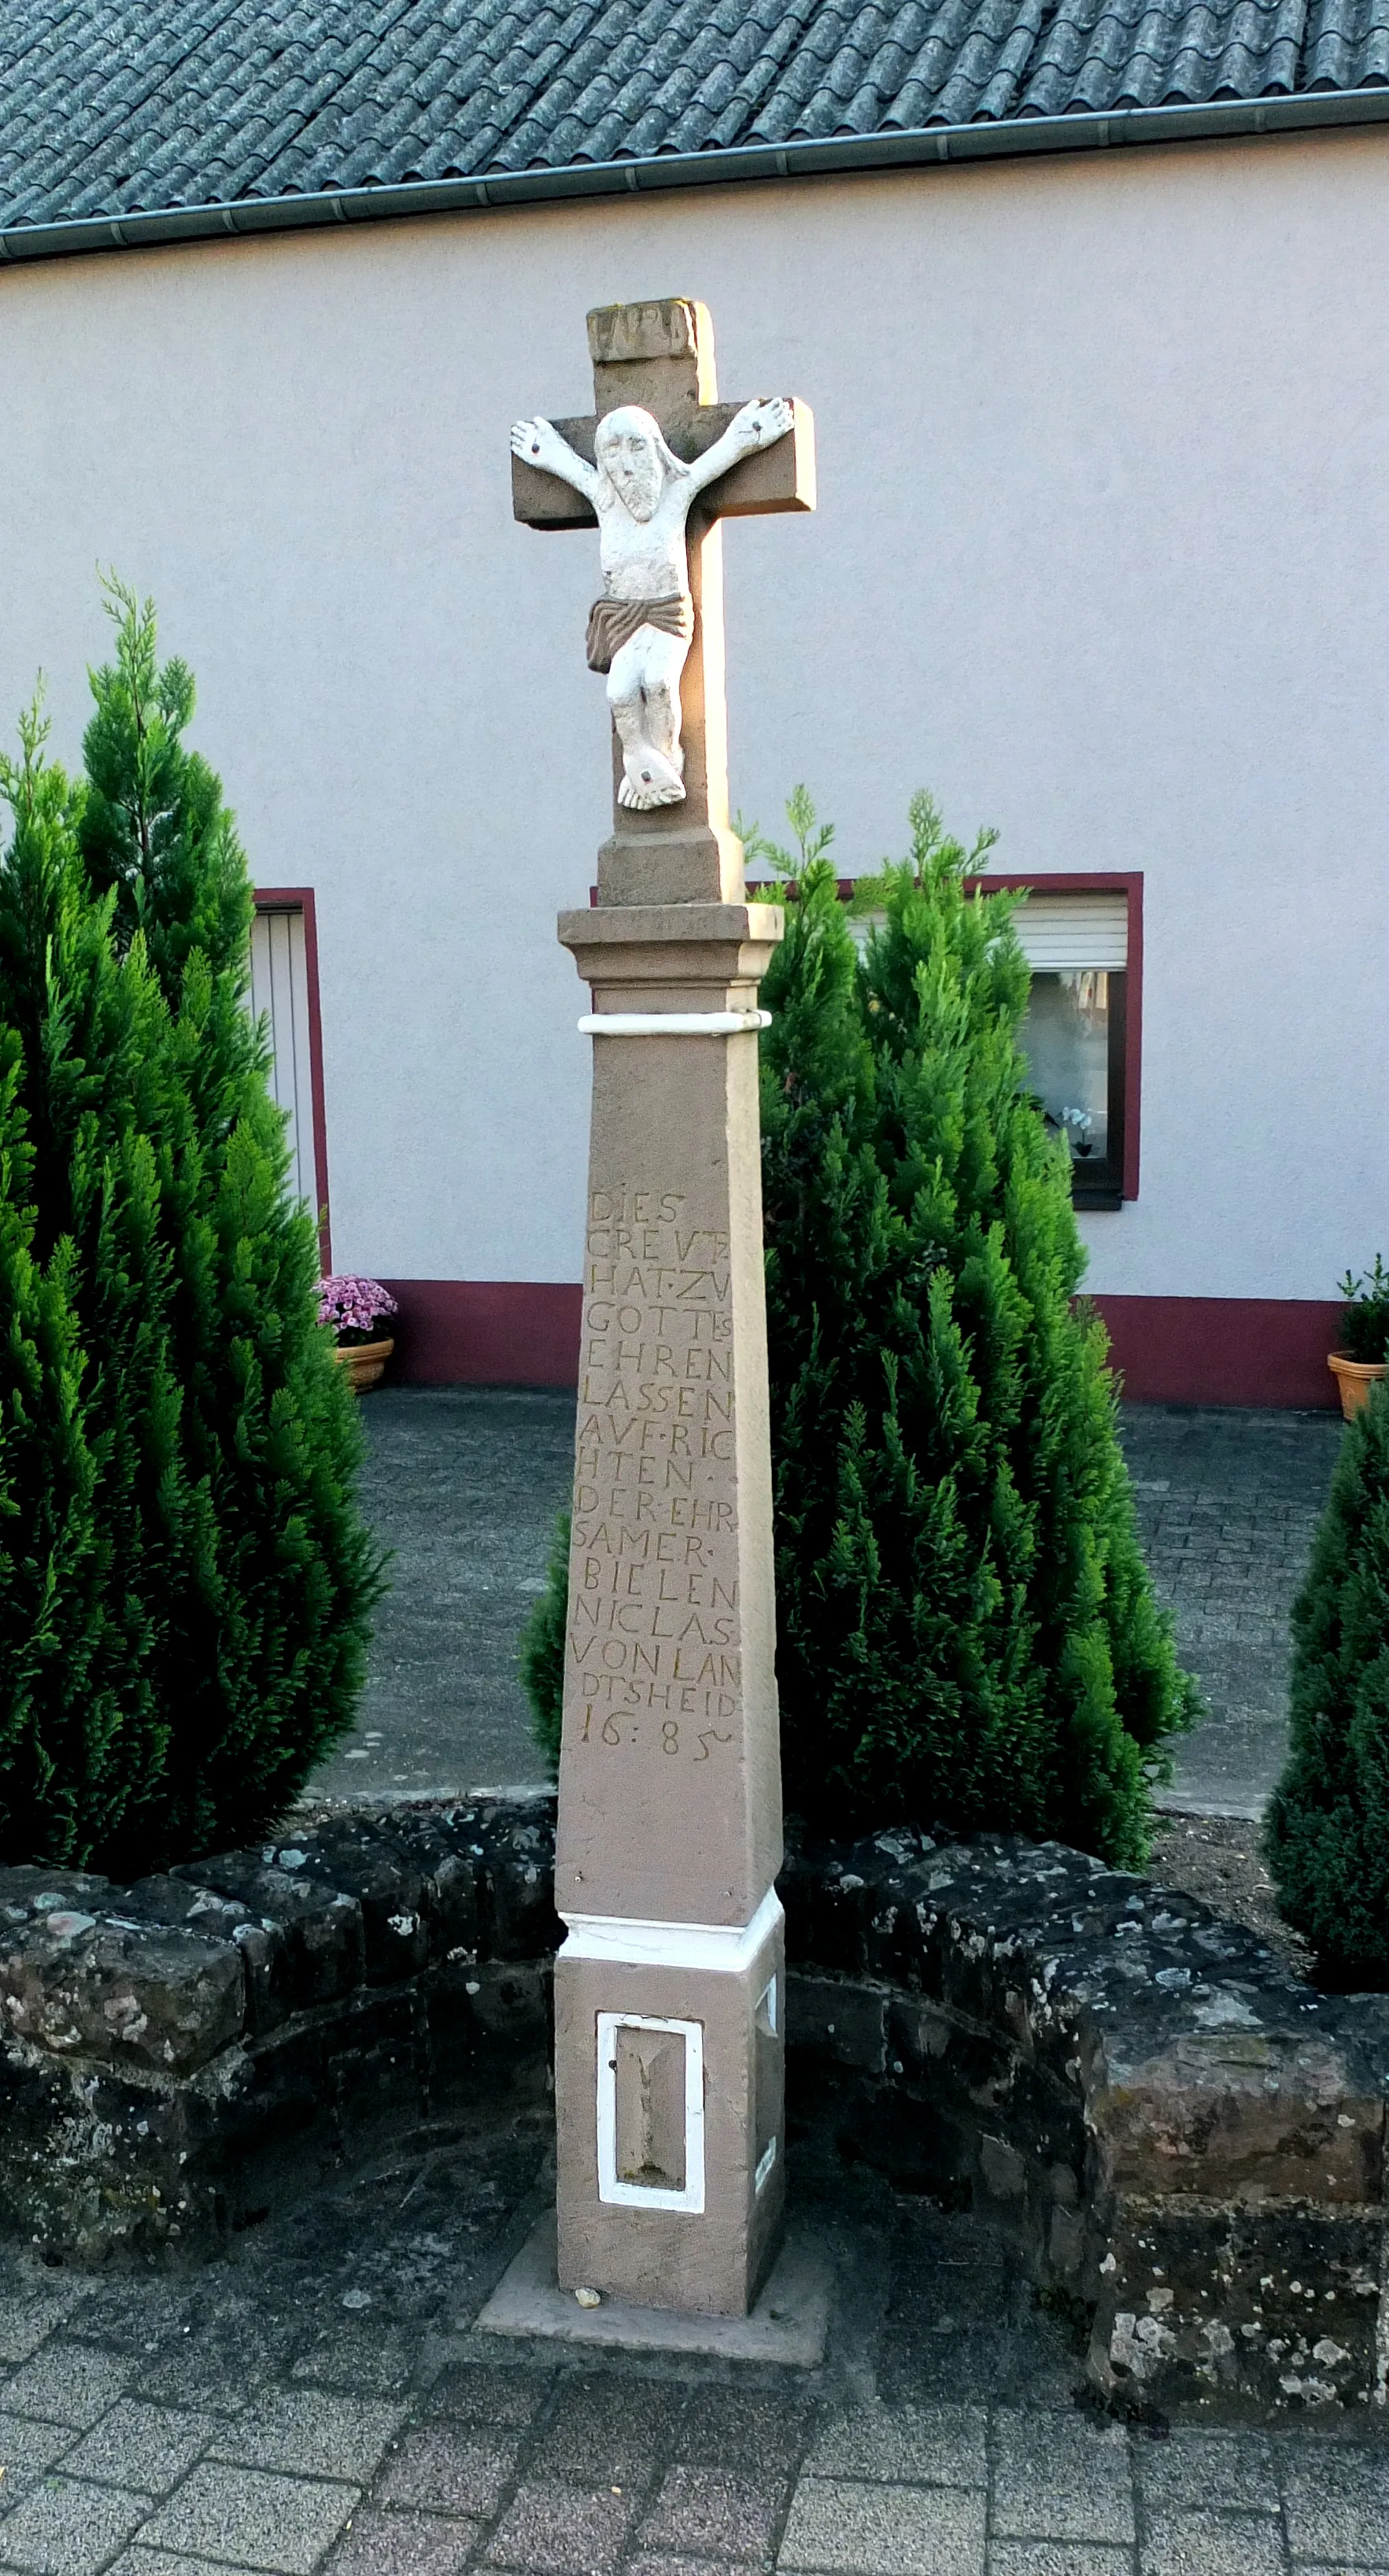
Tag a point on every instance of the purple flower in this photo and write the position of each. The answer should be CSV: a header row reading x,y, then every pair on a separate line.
x,y
353,1306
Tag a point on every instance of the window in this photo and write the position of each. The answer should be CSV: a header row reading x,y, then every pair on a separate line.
x,y
284,991
1076,1033
1083,939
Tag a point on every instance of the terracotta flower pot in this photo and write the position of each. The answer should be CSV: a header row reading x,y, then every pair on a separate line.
x,y
364,1362
1354,1378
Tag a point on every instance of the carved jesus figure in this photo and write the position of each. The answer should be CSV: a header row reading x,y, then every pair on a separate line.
x,y
639,632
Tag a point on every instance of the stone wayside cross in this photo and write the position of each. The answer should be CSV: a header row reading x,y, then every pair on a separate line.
x,y
670,1985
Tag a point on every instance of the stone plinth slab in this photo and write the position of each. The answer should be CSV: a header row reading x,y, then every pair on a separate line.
x,y
789,2323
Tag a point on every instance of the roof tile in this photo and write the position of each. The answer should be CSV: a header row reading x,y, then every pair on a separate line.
x,y
192,102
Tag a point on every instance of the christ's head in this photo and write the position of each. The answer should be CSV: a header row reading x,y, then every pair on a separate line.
x,y
634,457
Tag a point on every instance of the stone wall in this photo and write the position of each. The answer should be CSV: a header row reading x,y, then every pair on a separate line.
x,y
1188,2144
165,2044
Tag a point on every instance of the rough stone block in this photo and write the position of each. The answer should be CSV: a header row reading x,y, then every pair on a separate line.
x,y
354,1855
1270,2307
85,1988
516,1847
1236,2107
263,1947
322,1927
436,1840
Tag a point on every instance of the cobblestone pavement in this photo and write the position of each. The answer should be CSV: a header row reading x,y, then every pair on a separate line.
x,y
464,1484
1228,1504
318,2402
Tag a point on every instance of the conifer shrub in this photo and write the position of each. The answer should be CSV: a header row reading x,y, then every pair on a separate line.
x,y
967,1633
185,1583
1326,1834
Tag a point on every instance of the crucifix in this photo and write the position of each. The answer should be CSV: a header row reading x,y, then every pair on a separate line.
x,y
670,1985
656,466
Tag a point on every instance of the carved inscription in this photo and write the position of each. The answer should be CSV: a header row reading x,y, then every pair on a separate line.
x,y
653,1646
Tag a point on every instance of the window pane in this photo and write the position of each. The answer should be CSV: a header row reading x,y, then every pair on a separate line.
x,y
1065,1038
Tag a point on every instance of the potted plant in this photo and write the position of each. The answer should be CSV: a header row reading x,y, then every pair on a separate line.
x,y
356,1309
1364,1351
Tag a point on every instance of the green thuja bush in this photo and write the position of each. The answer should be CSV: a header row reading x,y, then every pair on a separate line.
x,y
185,1583
1326,1835
967,1633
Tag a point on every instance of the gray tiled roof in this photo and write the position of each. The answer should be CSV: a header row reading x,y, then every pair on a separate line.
x,y
106,109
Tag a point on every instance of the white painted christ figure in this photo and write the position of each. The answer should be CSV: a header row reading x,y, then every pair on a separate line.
x,y
639,632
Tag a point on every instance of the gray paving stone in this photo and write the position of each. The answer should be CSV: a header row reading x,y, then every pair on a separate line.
x,y
1199,2543
848,2529
442,2468
151,2447
251,2518
312,2433
605,2430
28,2316
743,2429
132,2312
402,2544
64,2528
1073,2483
935,2445
164,2562
707,2509
664,2566
1201,2469
479,2394
28,2447
377,2363
1337,2503
68,2383
463,1484
231,2347
1058,2558
1227,1506
553,2527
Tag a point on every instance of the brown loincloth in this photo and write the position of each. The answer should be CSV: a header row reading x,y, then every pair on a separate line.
x,y
613,623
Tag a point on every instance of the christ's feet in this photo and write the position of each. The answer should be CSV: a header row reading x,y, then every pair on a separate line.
x,y
648,779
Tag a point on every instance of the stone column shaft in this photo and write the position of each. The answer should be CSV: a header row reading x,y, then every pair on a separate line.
x,y
670,1988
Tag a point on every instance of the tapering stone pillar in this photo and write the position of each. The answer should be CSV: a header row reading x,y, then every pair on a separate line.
x,y
670,1988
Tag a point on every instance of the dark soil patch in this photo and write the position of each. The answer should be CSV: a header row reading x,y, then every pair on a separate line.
x,y
1217,1859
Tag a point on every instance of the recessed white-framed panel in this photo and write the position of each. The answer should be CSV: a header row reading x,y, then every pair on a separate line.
x,y
637,2195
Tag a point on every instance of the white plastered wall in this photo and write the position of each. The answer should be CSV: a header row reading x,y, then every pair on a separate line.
x,y
1102,557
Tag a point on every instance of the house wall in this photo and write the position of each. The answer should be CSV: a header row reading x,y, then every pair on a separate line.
x,y
1102,556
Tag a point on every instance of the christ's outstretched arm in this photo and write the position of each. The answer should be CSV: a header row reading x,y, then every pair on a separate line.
x,y
758,424
540,443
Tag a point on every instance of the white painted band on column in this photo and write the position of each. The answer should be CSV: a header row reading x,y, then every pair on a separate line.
x,y
635,1943
671,1024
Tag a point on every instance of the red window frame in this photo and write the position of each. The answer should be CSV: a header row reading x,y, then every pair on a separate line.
x,y
1128,883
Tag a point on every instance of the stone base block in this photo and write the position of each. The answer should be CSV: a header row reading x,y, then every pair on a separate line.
x,y
788,2323
669,2095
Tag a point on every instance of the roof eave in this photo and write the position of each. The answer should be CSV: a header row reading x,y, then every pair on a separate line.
x,y
925,147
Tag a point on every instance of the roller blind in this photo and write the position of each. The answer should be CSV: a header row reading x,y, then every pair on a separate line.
x,y
1061,932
